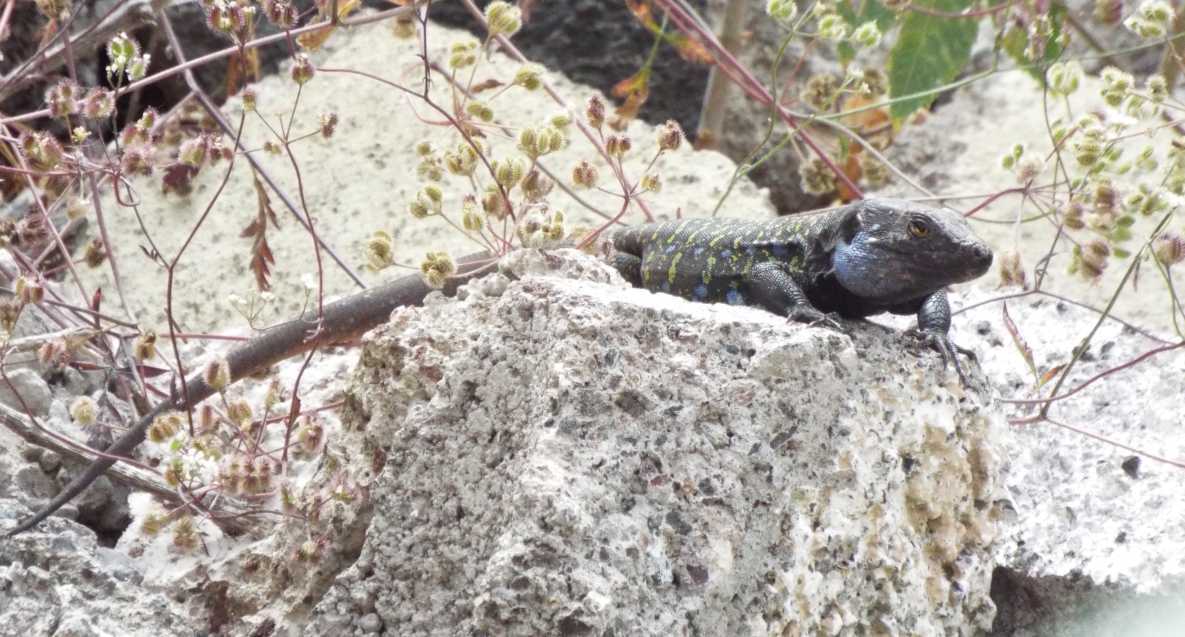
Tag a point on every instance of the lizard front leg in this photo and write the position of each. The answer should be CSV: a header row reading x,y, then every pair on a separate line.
x,y
934,328
773,288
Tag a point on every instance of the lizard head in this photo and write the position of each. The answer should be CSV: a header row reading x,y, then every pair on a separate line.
x,y
895,250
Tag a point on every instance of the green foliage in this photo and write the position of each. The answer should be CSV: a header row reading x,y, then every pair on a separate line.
x,y
864,11
929,52
1018,45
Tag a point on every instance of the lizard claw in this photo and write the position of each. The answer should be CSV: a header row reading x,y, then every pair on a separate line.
x,y
941,342
812,317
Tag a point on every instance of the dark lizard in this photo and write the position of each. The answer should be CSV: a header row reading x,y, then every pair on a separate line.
x,y
869,257
853,260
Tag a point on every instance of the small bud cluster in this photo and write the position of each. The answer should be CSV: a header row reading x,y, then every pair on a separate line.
x,y
821,91
463,54
529,76
429,201
816,177
783,11
1152,20
1108,12
165,426
404,27
670,136
436,268
535,186
540,229
216,374
1064,77
1169,249
126,60
42,150
503,18
84,411
380,251
145,346
1116,86
1012,271
302,69
584,175
617,146
28,291
539,141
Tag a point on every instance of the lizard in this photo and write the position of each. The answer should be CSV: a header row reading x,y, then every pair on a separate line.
x,y
854,261
861,259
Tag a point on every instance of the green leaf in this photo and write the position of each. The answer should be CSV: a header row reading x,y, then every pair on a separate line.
x,y
868,10
1016,40
1120,253
846,52
930,51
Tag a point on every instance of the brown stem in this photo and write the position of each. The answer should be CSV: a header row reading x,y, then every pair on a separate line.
x,y
344,321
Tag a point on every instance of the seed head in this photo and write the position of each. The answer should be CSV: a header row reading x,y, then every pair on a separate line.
x,y
461,161
494,204
185,536
193,152
1116,85
1012,271
164,426
816,177
380,251
1064,77
783,11
404,28
463,54
28,291
833,27
471,218
529,77
617,146
1169,248
507,172
96,253
62,99
328,124
1108,12
595,112
867,35
536,186
670,136
302,68
436,268
651,183
480,110
502,18
584,175
216,374
84,411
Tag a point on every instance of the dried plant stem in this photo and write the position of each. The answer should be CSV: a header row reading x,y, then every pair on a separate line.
x,y
343,321
212,110
231,50
711,116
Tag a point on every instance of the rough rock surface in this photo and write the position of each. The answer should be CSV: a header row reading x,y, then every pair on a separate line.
x,y
580,457
58,581
361,180
1095,544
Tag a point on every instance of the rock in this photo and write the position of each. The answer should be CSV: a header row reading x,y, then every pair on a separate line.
x,y
50,462
1091,543
33,483
580,457
56,580
26,390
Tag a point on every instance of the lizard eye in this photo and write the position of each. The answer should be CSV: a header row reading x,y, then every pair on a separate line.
x,y
918,228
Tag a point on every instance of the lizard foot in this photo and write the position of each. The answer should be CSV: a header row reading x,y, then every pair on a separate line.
x,y
811,316
940,341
